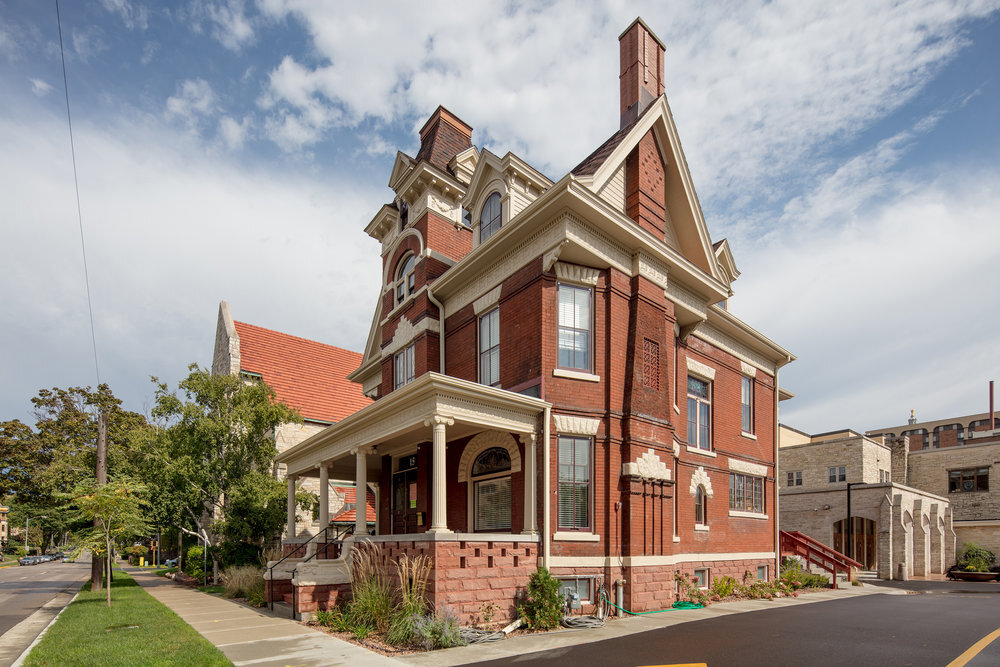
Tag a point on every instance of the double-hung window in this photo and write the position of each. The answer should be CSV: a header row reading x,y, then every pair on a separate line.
x,y
574,483
489,348
837,474
746,404
405,278
699,416
575,327
491,217
746,493
794,478
404,367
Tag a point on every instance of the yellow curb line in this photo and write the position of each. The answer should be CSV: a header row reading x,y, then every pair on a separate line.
x,y
975,649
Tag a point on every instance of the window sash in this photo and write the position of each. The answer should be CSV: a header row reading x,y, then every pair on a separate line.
x,y
699,415
491,217
404,367
574,483
746,404
489,348
699,506
492,504
746,493
575,327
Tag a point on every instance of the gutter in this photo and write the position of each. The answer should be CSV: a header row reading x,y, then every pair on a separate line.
x,y
546,482
777,482
440,307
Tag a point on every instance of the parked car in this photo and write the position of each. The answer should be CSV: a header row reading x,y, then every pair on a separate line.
x,y
28,560
170,562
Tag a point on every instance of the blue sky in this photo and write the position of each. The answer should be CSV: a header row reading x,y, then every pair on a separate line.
x,y
236,149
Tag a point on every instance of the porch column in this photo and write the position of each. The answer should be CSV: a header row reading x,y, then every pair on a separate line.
x,y
439,504
530,486
361,492
324,496
291,505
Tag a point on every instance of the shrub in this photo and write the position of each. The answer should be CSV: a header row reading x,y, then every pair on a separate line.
x,y
194,562
723,586
542,606
134,553
689,591
794,577
373,603
974,558
438,630
240,580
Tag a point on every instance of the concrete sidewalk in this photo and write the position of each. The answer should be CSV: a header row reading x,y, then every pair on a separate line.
x,y
250,637
513,647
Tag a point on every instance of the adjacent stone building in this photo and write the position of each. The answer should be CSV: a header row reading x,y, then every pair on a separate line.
x,y
958,457
898,527
558,379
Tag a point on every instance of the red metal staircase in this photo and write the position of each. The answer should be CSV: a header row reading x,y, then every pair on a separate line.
x,y
794,543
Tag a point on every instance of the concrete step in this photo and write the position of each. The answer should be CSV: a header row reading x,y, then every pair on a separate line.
x,y
867,575
282,610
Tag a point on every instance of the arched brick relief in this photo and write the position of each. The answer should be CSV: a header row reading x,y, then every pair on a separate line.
x,y
701,478
907,520
480,443
399,249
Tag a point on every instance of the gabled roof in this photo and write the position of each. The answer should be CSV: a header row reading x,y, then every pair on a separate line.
x,y
308,376
592,162
350,494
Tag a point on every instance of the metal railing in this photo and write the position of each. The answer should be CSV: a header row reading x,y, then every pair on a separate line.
x,y
337,542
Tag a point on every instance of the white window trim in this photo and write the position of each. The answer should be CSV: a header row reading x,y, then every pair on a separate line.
x,y
561,536
704,371
749,436
579,276
746,515
701,528
753,406
703,452
481,351
572,425
706,578
747,468
575,375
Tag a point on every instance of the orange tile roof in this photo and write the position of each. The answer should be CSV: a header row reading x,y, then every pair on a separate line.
x,y
308,376
350,494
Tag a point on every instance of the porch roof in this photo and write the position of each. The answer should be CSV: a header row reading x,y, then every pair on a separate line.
x,y
397,421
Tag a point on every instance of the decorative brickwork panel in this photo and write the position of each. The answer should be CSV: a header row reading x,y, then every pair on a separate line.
x,y
651,363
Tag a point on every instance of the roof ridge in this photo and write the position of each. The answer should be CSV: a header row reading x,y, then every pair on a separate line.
x,y
288,335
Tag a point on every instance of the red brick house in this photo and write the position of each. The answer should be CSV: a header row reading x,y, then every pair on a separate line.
x,y
558,380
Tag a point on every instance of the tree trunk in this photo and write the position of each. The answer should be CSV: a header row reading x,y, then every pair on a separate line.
x,y
180,550
109,572
96,564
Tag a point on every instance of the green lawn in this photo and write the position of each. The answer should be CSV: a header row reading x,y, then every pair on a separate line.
x,y
136,630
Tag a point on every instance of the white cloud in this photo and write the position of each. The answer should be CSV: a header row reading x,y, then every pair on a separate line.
x,y
39,87
132,15
232,132
149,50
194,100
170,230
229,22
88,42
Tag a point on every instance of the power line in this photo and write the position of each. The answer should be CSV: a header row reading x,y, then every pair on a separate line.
x,y
76,183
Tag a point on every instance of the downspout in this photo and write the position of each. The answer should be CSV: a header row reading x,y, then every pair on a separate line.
x,y
440,307
546,481
777,482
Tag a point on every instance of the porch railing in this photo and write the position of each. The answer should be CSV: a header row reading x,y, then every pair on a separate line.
x,y
321,547
794,543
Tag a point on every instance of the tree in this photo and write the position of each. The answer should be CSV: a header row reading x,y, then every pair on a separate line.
x,y
117,510
212,450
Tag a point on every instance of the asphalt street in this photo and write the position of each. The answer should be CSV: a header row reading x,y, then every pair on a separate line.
x,y
24,590
925,628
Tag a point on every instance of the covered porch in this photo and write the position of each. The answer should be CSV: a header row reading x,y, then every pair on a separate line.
x,y
455,469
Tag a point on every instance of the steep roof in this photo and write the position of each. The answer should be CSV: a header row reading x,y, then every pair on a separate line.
x,y
308,376
593,162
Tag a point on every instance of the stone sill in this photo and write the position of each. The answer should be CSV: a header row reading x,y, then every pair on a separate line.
x,y
702,452
701,529
751,436
575,375
747,515
576,537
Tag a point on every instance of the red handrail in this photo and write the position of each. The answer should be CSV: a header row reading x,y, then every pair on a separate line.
x,y
794,543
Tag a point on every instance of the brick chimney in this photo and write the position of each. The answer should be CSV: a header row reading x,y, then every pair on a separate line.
x,y
443,137
641,79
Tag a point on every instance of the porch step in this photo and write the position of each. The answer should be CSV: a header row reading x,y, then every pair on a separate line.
x,y
282,610
867,575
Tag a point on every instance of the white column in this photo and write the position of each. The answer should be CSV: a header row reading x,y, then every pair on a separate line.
x,y
530,486
291,506
324,496
361,493
439,484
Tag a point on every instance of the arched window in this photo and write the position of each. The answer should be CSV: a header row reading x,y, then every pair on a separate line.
x,y
700,507
491,490
491,217
404,278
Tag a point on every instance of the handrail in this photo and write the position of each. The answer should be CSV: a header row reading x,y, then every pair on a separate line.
x,y
816,553
339,536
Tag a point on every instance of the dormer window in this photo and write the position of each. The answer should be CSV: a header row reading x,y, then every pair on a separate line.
x,y
404,278
490,218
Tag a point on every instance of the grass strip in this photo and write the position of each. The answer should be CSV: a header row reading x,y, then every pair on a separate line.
x,y
136,630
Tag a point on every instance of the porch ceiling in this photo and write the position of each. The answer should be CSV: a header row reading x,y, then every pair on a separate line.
x,y
396,422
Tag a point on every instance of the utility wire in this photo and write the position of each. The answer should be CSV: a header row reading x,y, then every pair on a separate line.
x,y
76,183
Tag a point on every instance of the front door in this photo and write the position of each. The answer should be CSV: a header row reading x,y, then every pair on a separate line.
x,y
865,541
404,496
